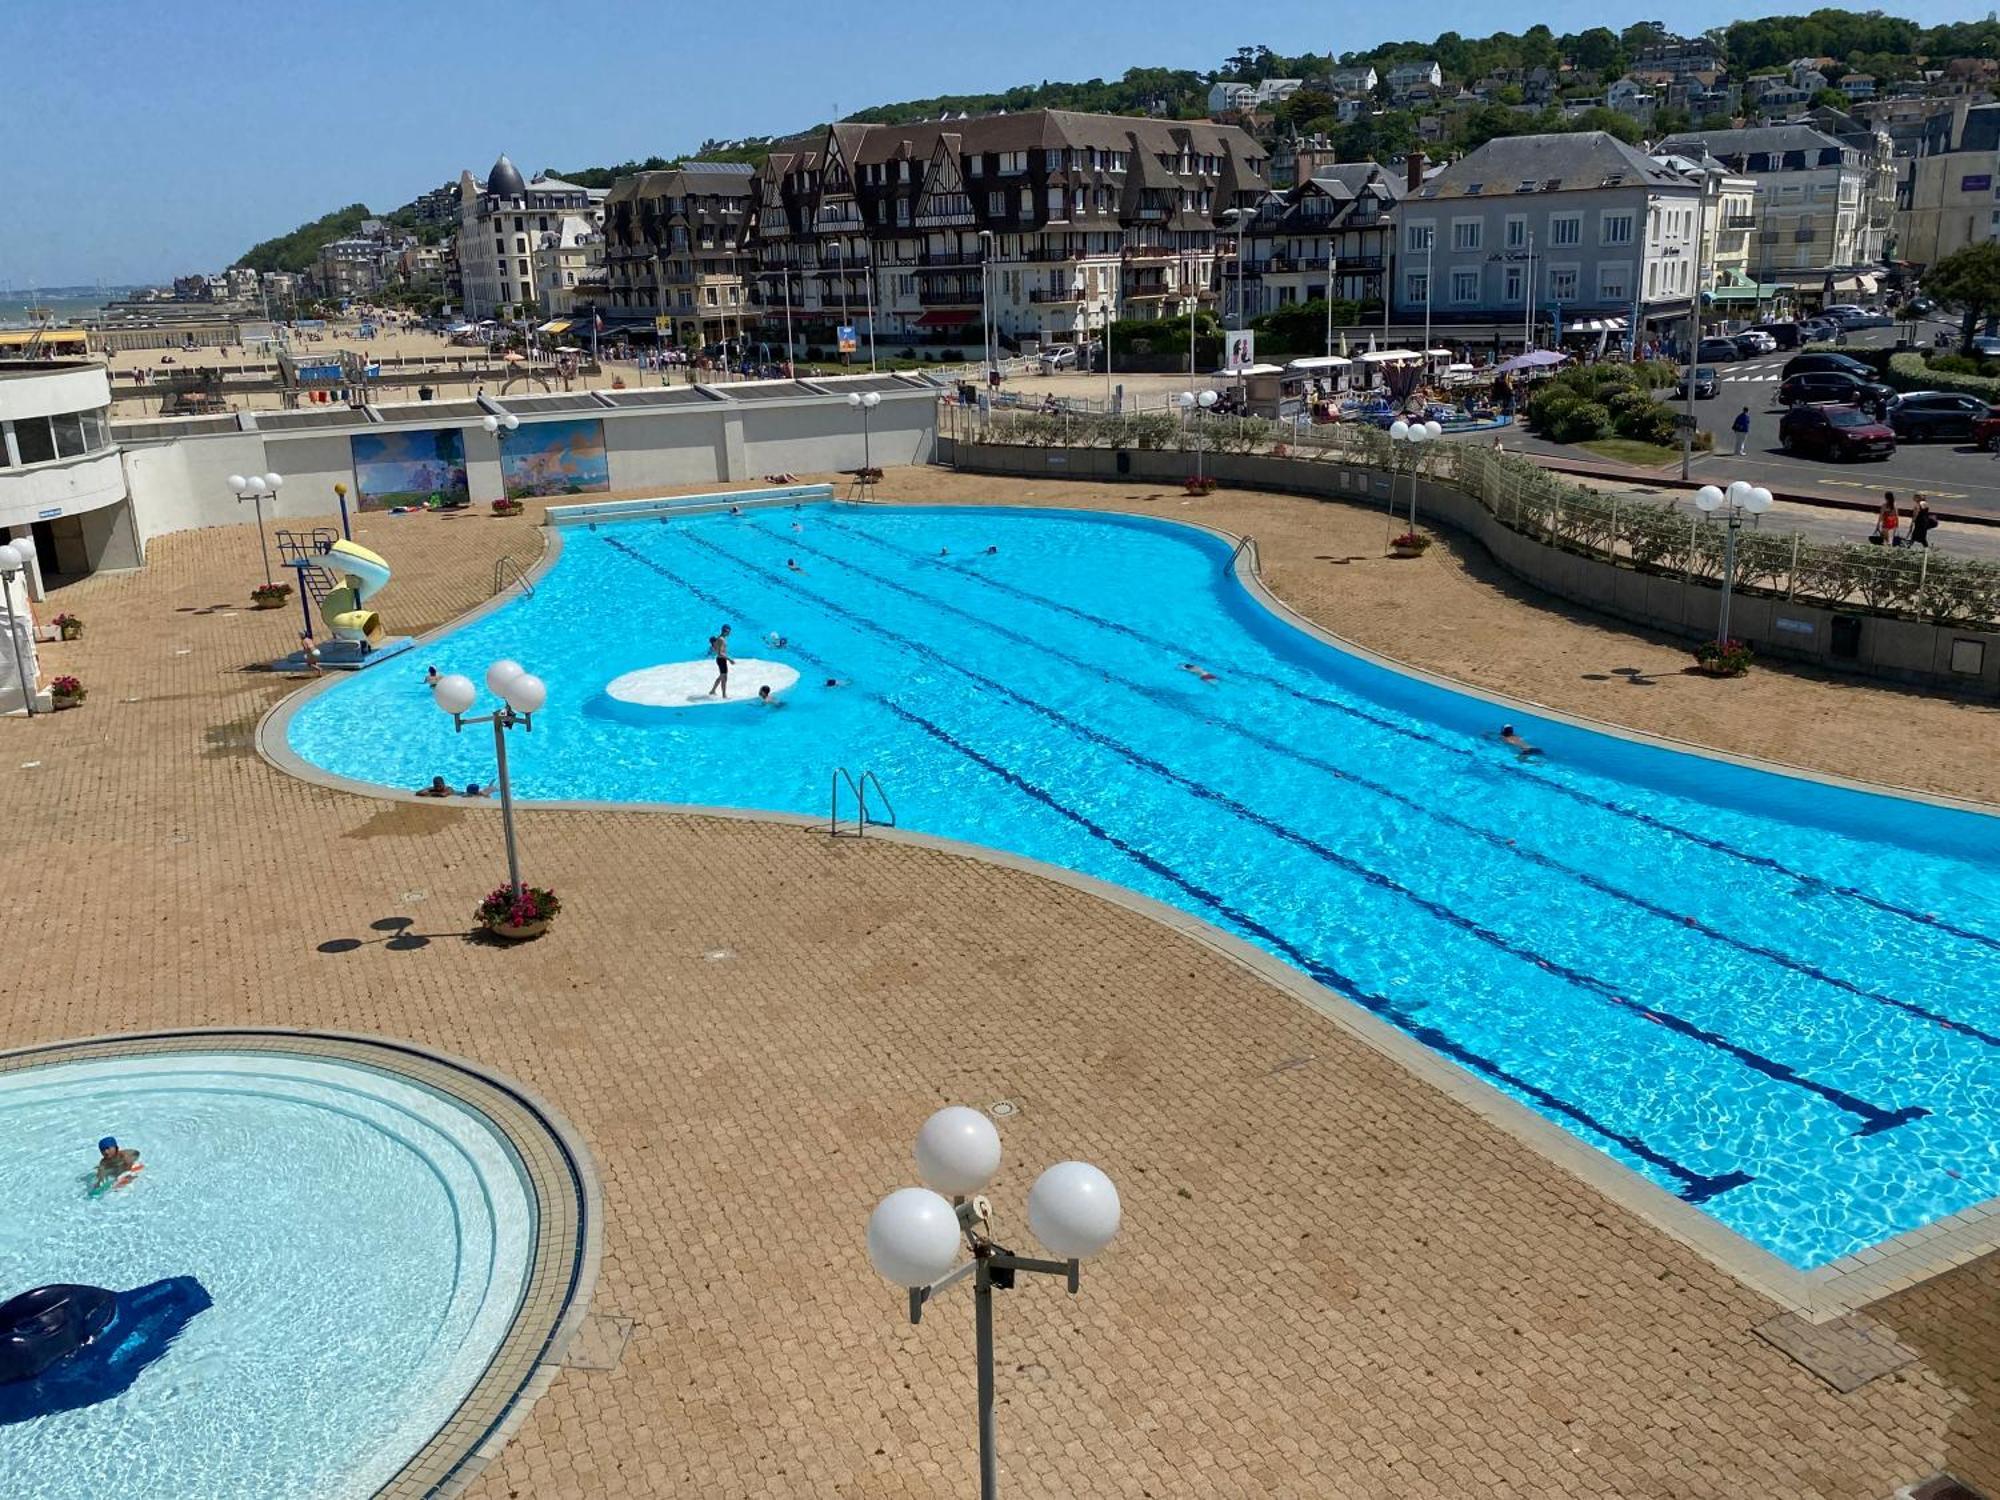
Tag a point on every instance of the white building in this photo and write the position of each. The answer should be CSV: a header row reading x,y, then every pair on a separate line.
x,y
1231,97
1405,77
1813,199
500,224
61,481
1588,224
1361,80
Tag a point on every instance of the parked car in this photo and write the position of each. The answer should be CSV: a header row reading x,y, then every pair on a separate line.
x,y
1920,307
1817,387
1986,431
1704,383
1871,317
1756,341
1717,349
1920,416
1817,331
1781,335
1847,364
1058,357
1986,344
1840,312
1835,432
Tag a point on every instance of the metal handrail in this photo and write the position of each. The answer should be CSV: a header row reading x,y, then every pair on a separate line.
x,y
868,779
500,566
1245,544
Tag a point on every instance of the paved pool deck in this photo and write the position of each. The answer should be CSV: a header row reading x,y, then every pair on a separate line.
x,y
1333,1280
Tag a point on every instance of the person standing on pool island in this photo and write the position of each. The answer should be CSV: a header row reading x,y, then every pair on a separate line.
x,y
718,647
113,1161
1515,743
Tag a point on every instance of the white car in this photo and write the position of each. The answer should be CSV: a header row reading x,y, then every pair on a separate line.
x,y
1058,357
1763,342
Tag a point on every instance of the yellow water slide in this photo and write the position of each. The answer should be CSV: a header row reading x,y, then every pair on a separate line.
x,y
362,573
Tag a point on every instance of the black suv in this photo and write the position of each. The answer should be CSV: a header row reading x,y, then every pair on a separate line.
x,y
1711,350
1920,415
1821,361
1785,334
1816,387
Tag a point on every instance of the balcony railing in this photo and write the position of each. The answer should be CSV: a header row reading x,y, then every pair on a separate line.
x,y
946,296
1741,221
1051,294
933,258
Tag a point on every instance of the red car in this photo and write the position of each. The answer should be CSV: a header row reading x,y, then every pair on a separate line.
x,y
1986,431
1835,431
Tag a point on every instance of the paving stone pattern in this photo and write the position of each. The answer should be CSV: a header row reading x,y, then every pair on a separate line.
x,y
1332,1281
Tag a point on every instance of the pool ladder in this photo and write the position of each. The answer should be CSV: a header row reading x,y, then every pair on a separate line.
x,y
502,567
1247,544
857,788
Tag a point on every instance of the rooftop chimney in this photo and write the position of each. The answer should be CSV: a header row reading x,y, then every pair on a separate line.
x,y
1416,167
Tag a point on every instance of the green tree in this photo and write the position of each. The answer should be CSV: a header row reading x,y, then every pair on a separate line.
x,y
1969,280
1611,122
1593,50
299,250
1829,99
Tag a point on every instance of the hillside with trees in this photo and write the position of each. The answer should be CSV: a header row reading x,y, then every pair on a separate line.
x,y
299,250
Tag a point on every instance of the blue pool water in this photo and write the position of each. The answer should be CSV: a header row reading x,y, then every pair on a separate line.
x,y
365,1242
1771,997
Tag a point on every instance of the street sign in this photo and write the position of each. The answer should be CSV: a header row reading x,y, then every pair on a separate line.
x,y
663,325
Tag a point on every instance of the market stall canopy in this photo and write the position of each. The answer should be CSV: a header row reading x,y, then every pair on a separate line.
x,y
1253,370
1320,362
1385,356
1534,359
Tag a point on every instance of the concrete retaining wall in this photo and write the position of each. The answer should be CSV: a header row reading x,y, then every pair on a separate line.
x,y
1911,651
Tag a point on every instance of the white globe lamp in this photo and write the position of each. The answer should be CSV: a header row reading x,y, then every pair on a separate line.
x,y
1073,1210
958,1151
1399,430
453,693
501,673
1708,498
1433,431
525,693
1757,501
913,1237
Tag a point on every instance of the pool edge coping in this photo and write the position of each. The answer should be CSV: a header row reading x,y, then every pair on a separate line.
x,y
438,1467
1820,1294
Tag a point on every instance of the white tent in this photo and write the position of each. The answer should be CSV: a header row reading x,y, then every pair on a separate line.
x,y
1386,356
1235,370
1320,362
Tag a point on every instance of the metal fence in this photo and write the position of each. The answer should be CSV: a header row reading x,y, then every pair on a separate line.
x,y
1625,530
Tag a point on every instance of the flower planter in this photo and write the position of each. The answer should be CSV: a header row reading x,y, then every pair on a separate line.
x,y
278,601
72,632
66,700
514,508
1404,549
515,934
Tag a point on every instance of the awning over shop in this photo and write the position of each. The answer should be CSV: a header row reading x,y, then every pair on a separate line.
x,y
947,317
1754,291
1595,325
555,325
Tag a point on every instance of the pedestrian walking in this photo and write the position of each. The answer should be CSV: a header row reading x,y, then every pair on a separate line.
x,y
1923,521
1886,522
1741,427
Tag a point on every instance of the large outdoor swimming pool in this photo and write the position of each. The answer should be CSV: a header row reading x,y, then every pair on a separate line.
x,y
1771,997
363,1244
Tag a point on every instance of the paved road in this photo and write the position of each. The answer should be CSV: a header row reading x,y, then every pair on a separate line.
x,y
1956,476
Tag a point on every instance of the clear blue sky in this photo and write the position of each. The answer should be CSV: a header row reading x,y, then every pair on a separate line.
x,y
147,139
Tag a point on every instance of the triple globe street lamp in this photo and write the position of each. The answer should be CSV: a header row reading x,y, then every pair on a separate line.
x,y
865,402
1412,435
916,1236
257,488
1739,500
522,695
1189,404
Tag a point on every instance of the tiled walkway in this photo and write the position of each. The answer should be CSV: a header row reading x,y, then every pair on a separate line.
x,y
1332,1281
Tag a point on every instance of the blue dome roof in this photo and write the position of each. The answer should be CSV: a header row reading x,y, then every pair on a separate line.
x,y
504,181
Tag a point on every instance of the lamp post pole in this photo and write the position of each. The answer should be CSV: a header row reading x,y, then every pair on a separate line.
x,y
1331,265
1739,500
916,1235
1410,435
1193,408
522,694
257,488
14,558
865,402
986,302
1689,362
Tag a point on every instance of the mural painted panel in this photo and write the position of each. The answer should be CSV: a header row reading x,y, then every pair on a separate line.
x,y
410,468
554,458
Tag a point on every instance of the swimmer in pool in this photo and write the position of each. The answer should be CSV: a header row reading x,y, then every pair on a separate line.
x,y
836,682
792,565
1205,676
430,677
992,551
113,1161
437,788
1518,745
765,700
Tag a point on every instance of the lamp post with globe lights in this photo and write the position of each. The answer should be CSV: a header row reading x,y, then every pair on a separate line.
x,y
1189,404
1740,499
1412,435
916,1235
522,695
865,402
257,488
15,556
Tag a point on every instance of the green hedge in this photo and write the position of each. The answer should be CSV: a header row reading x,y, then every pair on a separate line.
x,y
1908,372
